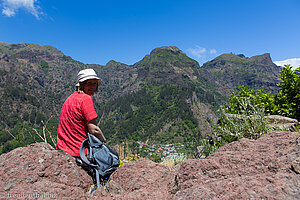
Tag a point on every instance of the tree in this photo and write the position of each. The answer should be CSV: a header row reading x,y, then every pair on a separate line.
x,y
286,102
288,98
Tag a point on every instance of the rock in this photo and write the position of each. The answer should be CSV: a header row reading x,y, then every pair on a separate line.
x,y
171,49
142,179
8,186
281,122
267,168
113,187
296,165
31,179
278,119
41,174
57,172
30,171
4,57
274,121
246,169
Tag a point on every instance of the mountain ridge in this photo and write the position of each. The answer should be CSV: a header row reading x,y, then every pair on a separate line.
x,y
232,71
166,89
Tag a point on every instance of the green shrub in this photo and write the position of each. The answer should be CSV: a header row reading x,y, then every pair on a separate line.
x,y
208,147
173,159
257,98
248,122
285,103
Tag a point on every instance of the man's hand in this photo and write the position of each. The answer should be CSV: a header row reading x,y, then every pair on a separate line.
x,y
94,129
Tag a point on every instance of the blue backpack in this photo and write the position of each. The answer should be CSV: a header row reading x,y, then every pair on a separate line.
x,y
101,158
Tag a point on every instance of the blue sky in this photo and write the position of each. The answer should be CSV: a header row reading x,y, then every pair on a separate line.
x,y
98,31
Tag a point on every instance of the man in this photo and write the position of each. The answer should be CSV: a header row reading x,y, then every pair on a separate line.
x,y
78,115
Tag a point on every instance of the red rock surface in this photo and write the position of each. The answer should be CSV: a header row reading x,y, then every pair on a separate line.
x,y
142,179
267,168
38,171
246,169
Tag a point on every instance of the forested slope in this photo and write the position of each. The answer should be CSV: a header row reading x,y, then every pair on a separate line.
x,y
165,97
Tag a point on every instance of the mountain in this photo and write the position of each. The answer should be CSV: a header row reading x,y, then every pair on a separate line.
x,y
229,71
35,81
34,78
162,101
166,97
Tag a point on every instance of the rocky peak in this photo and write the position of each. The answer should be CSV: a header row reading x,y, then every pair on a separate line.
x,y
264,59
241,55
171,49
17,49
229,71
113,63
167,65
13,45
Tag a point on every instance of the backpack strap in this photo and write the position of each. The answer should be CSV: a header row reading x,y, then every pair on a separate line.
x,y
98,178
83,157
98,182
94,141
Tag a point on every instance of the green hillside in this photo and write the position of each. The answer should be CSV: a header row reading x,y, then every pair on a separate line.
x,y
229,71
166,97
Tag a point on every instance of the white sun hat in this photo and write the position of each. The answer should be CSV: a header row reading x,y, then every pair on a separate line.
x,y
87,74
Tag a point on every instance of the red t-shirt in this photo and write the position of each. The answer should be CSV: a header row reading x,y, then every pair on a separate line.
x,y
77,110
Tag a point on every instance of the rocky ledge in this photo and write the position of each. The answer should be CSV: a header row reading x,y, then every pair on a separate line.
x,y
267,168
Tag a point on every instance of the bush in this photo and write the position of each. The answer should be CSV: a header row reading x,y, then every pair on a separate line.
x,y
249,122
132,157
285,103
258,98
173,159
208,147
244,116
288,98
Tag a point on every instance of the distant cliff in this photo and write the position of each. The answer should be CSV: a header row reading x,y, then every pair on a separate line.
x,y
228,71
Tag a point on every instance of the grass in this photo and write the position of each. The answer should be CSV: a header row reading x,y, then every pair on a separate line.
x,y
250,123
173,160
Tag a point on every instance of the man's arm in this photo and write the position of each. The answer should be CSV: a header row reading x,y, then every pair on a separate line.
x,y
94,129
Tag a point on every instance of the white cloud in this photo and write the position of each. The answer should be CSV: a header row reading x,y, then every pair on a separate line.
x,y
213,51
294,62
201,54
10,7
198,52
8,12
